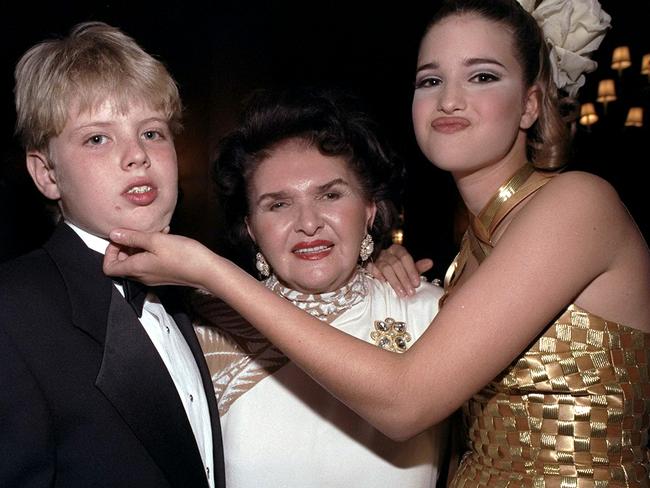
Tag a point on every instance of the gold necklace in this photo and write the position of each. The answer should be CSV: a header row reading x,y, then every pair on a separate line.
x,y
478,236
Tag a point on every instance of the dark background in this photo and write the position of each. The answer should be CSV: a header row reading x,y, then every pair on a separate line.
x,y
220,51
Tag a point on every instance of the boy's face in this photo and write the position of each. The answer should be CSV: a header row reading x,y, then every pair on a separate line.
x,y
110,170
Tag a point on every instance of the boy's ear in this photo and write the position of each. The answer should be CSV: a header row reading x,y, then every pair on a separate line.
x,y
43,174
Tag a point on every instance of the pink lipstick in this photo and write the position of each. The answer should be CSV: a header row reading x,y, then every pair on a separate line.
x,y
449,125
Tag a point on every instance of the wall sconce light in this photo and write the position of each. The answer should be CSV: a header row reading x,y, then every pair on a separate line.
x,y
621,59
627,95
634,117
588,116
606,93
645,65
398,236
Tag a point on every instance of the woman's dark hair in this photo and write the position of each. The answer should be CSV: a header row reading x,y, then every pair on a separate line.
x,y
327,120
548,138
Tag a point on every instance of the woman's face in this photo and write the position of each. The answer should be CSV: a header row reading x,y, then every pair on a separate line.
x,y
470,106
308,216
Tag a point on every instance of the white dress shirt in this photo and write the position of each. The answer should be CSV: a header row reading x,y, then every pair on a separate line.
x,y
178,359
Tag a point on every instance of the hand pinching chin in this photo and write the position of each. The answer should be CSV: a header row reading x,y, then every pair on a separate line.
x,y
156,258
119,252
123,252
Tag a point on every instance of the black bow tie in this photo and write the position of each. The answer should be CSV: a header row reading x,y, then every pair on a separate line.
x,y
135,293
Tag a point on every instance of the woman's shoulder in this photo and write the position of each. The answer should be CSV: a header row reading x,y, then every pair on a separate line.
x,y
210,310
414,312
579,186
426,295
220,328
426,289
576,198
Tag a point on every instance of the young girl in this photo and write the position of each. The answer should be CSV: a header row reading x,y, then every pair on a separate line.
x,y
545,327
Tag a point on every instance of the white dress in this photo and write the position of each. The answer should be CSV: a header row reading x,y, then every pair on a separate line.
x,y
281,429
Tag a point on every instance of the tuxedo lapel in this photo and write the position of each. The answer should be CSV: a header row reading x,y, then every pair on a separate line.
x,y
88,289
132,375
135,380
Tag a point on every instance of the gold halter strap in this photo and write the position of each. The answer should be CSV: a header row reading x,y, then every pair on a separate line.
x,y
478,237
509,195
484,221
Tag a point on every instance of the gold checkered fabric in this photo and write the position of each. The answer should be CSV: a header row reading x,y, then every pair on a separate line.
x,y
572,411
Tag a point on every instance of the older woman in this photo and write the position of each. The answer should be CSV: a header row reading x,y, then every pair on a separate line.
x,y
306,186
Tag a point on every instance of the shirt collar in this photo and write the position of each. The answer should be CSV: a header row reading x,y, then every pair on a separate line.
x,y
94,242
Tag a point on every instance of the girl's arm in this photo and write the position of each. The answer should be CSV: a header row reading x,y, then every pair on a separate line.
x,y
542,263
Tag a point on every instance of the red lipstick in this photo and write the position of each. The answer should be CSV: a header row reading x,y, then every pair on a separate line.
x,y
313,250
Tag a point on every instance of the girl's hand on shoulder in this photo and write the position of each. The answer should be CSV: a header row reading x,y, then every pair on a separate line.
x,y
396,266
156,258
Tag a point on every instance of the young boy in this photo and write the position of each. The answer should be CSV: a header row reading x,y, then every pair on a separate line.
x,y
94,390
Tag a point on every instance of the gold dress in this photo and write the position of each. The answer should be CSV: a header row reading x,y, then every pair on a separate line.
x,y
570,411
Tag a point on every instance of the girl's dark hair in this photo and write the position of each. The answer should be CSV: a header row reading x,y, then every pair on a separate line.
x,y
549,137
327,120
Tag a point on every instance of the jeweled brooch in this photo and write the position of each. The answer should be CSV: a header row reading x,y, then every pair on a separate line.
x,y
391,335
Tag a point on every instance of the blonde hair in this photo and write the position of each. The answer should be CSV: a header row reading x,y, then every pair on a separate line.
x,y
96,62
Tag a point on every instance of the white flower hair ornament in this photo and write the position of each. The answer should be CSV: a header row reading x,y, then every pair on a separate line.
x,y
573,29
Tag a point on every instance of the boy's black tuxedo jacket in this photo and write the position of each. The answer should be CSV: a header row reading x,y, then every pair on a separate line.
x,y
85,399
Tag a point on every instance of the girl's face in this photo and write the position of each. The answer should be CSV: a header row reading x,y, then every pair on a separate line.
x,y
471,107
